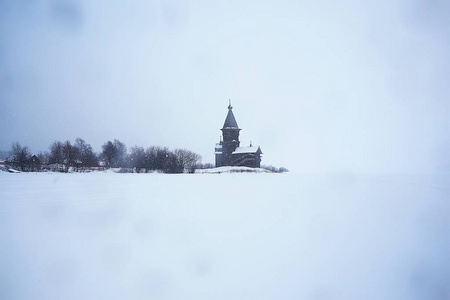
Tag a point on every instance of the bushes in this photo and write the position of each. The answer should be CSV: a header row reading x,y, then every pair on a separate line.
x,y
275,169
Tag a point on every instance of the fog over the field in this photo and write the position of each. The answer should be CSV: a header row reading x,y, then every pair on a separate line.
x,y
348,86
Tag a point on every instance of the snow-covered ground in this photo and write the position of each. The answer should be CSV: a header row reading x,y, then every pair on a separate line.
x,y
221,170
227,236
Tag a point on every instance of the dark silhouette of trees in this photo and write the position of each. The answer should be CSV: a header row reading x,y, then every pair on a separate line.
x,y
71,155
114,154
187,159
163,160
43,158
172,164
86,155
161,157
20,156
65,157
108,153
150,159
56,155
137,159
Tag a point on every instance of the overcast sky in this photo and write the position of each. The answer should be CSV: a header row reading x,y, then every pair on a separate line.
x,y
351,86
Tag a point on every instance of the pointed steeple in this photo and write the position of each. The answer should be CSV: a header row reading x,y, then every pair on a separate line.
x,y
230,121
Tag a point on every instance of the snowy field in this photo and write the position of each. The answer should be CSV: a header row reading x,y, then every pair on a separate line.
x,y
227,236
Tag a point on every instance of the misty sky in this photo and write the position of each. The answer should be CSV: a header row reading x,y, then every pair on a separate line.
x,y
351,86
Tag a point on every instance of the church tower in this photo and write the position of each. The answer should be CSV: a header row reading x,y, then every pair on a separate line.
x,y
228,152
230,132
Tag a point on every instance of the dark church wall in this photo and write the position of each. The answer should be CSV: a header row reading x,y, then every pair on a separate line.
x,y
229,144
252,160
218,160
230,135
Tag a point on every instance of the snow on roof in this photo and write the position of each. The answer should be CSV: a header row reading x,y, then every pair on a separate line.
x,y
245,150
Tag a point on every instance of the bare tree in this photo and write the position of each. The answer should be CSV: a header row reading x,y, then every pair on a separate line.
x,y
71,155
187,159
20,156
114,154
86,155
162,153
137,158
171,164
56,155
150,159
108,153
43,157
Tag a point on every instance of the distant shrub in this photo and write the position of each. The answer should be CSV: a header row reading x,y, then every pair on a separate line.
x,y
275,169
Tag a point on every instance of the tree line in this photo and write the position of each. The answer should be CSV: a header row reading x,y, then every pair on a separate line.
x,y
80,157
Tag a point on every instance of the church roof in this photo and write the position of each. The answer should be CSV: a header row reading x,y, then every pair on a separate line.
x,y
230,121
250,149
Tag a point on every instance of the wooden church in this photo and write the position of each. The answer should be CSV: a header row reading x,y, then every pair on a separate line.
x,y
228,151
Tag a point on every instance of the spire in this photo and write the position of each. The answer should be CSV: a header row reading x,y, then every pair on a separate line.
x,y
230,121
229,104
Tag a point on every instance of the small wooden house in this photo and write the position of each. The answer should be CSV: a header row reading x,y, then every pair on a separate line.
x,y
34,163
